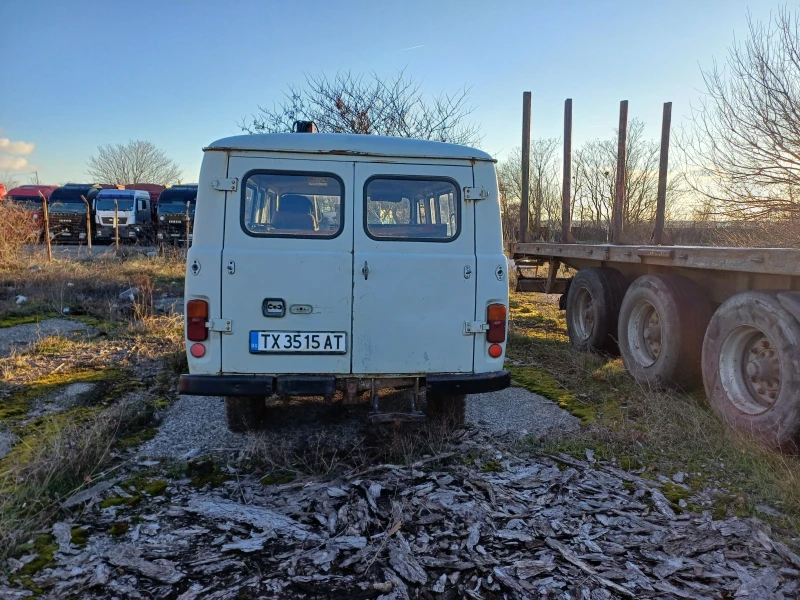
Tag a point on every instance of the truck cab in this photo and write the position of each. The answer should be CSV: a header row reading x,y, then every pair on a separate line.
x,y
327,264
132,209
29,197
67,211
176,206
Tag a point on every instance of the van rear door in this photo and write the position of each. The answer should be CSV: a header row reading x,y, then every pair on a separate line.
x,y
414,269
287,267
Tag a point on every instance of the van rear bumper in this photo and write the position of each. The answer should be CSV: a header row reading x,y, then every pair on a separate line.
x,y
321,385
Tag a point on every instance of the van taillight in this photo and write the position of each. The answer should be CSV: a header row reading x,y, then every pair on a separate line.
x,y
196,318
496,315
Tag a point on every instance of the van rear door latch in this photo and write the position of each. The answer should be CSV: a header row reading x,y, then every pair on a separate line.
x,y
225,184
221,325
475,327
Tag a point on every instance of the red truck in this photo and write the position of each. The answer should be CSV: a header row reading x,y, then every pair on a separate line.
x,y
29,197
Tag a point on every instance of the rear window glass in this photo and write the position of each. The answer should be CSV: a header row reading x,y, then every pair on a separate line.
x,y
293,205
412,209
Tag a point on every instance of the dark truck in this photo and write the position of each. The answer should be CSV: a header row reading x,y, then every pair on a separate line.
x,y
176,205
67,211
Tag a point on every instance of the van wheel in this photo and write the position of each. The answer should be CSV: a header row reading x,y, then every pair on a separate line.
x,y
661,326
450,410
751,367
244,413
593,303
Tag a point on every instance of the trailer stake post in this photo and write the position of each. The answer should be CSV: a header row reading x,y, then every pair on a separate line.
x,y
526,167
663,166
566,185
116,226
617,235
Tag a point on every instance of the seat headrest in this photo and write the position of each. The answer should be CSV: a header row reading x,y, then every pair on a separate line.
x,y
296,203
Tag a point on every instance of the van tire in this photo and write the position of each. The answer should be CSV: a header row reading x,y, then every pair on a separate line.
x,y
244,413
594,298
450,410
661,327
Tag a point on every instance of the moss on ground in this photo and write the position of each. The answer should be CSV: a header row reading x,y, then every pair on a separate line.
x,y
543,383
278,478
138,437
119,528
78,536
132,500
44,547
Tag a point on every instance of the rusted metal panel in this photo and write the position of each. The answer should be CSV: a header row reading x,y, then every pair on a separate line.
x,y
618,213
539,284
566,181
524,210
775,261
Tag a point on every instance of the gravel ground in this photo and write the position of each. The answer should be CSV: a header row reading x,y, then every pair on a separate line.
x,y
63,400
197,423
517,409
20,336
6,442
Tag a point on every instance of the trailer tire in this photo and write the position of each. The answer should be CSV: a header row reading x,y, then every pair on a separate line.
x,y
751,367
661,326
449,410
244,413
593,303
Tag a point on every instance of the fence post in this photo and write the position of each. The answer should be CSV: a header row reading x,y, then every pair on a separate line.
x,y
88,223
566,182
526,167
663,165
617,235
116,226
46,216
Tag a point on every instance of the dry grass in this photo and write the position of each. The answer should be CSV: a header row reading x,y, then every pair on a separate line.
x,y
660,432
17,229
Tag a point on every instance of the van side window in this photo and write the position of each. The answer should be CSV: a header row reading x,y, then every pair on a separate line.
x,y
292,205
412,209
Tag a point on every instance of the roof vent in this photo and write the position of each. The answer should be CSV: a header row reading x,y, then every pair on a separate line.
x,y
305,127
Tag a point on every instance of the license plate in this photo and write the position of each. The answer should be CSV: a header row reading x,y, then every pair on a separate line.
x,y
298,342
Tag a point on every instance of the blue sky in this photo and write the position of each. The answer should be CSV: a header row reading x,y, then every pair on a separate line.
x,y
183,74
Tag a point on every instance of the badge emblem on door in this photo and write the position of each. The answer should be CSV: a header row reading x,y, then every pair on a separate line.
x,y
273,307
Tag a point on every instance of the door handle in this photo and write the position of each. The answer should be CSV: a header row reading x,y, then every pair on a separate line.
x,y
365,271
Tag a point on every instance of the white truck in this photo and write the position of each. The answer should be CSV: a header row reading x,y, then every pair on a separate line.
x,y
325,263
129,210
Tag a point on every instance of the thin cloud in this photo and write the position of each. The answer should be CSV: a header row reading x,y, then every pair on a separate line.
x,y
6,145
413,47
12,163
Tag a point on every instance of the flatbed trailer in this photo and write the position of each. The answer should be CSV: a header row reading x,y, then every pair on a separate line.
x,y
680,316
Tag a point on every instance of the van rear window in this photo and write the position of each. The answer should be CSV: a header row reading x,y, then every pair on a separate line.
x,y
412,209
292,205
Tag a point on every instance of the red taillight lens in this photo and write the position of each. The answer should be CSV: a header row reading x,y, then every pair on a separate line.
x,y
496,315
196,318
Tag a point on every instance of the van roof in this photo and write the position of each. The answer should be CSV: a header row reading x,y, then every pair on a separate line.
x,y
348,144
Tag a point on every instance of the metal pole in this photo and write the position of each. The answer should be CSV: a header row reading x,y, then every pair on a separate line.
x,y
566,182
116,225
46,215
663,166
88,223
187,224
619,192
526,167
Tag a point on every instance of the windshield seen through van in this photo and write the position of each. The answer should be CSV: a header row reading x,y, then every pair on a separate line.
x,y
293,205
175,208
66,207
27,202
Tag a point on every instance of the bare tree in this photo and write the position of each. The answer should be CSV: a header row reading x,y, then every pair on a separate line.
x,y
135,162
9,180
545,191
348,103
743,147
595,173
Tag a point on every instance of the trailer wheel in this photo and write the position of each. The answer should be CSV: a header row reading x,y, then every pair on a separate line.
x,y
751,367
450,410
244,413
661,326
593,303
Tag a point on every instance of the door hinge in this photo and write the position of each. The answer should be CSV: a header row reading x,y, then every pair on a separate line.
x,y
476,193
225,184
475,327
221,325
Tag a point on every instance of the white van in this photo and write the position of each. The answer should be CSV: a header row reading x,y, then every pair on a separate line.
x,y
326,263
